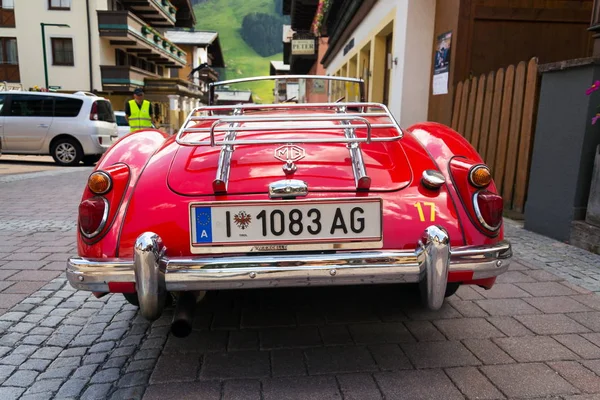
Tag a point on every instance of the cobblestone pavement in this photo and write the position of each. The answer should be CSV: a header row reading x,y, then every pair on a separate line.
x,y
535,335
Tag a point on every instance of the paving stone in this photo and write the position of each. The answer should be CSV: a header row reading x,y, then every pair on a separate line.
x,y
389,357
578,344
509,326
551,324
410,385
358,387
466,292
133,379
176,391
467,328
147,354
267,318
106,376
101,347
557,305
535,348
590,319
25,349
73,352
49,353
304,336
515,380
577,375
503,291
468,309
301,388
35,364
542,276
487,351
66,362
63,372
439,354
387,332
176,368
335,335
473,384
339,359
198,342
45,386
12,316
511,307
241,390
97,391
227,320
540,289
346,315
129,393
287,363
94,358
21,378
141,365
85,371
419,313
10,393
239,364
13,359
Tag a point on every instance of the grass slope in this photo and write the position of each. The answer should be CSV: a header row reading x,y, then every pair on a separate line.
x,y
225,17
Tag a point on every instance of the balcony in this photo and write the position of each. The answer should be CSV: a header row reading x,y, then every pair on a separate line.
x,y
123,78
10,73
130,33
160,13
166,86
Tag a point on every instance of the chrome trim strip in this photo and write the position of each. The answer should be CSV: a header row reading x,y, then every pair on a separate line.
x,y
361,180
102,222
273,77
480,217
220,182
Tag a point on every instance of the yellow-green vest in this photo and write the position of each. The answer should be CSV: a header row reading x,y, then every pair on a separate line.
x,y
139,118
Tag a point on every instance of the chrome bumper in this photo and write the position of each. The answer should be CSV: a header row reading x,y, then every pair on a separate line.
x,y
155,274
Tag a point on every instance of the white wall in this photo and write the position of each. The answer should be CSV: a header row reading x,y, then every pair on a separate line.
x,y
28,16
414,24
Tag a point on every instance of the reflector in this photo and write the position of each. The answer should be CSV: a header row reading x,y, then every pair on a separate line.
x,y
99,182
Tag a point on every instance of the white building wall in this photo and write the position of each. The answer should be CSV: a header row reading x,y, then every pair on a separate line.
x,y
28,16
414,22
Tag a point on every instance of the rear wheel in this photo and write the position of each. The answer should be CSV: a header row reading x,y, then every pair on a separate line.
x,y
133,299
451,288
91,160
66,152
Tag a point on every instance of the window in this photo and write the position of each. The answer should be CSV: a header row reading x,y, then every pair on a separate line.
x,y
59,4
8,51
105,111
7,4
66,107
62,51
2,102
121,121
23,105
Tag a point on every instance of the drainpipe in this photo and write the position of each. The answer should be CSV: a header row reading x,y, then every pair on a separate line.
x,y
89,28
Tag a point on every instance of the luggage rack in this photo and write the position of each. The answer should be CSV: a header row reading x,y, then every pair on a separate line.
x,y
343,120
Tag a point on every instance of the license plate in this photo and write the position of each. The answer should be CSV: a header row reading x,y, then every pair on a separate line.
x,y
285,225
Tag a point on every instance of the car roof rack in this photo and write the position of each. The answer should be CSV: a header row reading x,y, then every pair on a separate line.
x,y
342,117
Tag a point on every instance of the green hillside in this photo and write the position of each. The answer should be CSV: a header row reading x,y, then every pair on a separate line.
x,y
225,17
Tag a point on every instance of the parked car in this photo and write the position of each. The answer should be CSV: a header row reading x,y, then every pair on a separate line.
x,y
122,124
291,194
70,127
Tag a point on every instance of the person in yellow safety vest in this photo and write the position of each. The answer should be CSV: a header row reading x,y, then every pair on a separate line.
x,y
138,112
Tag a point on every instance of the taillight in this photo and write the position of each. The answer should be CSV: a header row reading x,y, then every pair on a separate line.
x,y
93,214
94,112
488,209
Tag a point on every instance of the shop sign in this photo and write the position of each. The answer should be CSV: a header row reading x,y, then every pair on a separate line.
x,y
303,46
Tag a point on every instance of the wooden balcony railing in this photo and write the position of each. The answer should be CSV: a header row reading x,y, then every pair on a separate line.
x,y
7,18
10,73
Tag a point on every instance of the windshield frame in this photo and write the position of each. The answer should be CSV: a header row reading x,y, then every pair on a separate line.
x,y
212,85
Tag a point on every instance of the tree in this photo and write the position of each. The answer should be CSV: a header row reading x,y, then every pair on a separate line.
x,y
262,32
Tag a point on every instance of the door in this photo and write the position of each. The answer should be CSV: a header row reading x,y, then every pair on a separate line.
x,y
26,123
388,66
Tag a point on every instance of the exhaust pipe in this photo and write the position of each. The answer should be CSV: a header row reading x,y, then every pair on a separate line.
x,y
181,326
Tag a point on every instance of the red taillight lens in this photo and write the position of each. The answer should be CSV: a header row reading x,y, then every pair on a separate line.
x,y
94,112
488,209
93,214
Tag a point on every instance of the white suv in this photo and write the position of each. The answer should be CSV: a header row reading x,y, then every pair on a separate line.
x,y
70,127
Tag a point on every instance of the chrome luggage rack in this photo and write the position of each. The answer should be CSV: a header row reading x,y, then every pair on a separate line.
x,y
230,125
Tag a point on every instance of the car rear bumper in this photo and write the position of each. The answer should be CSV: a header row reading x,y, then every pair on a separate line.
x,y
153,273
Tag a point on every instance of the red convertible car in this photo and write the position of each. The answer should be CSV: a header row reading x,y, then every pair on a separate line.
x,y
295,193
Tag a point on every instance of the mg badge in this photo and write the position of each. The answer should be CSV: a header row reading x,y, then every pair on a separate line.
x,y
289,154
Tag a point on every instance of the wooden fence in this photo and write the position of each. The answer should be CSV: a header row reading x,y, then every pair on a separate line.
x,y
496,114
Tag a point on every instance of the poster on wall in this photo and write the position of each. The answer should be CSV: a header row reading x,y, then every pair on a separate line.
x,y
442,63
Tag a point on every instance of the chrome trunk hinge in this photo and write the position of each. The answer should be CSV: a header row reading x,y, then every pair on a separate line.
x,y
361,179
220,182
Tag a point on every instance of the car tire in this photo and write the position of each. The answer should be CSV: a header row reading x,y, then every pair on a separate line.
x,y
451,288
91,160
66,152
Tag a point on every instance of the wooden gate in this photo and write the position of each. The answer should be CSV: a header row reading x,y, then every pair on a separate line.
x,y
496,114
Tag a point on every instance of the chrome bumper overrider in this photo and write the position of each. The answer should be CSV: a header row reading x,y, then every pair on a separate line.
x,y
155,274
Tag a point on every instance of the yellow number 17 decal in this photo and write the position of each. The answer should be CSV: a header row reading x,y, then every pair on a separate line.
x,y
419,205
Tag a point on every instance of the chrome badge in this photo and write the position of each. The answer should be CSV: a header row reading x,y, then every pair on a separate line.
x,y
289,154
